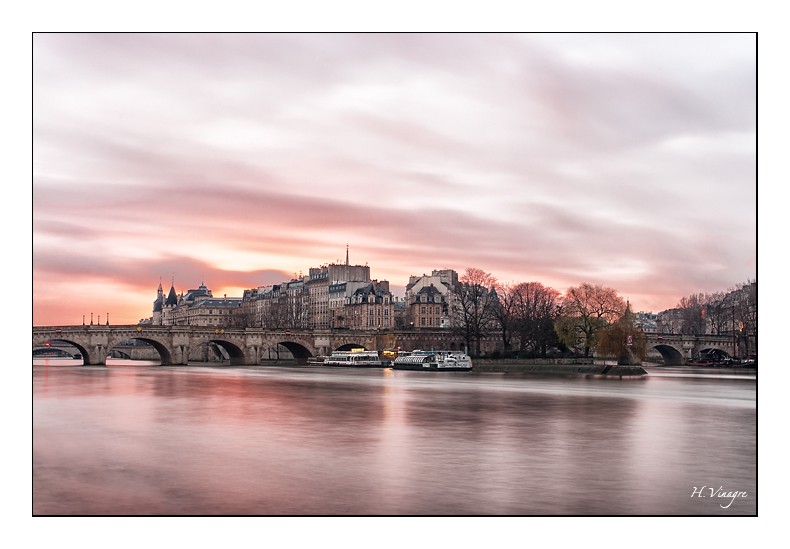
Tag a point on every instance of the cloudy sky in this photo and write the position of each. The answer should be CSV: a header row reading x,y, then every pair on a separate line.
x,y
239,160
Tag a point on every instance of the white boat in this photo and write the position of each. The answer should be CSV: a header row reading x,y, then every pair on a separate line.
x,y
444,361
355,359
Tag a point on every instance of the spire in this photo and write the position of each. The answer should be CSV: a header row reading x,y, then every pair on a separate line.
x,y
346,254
172,298
160,297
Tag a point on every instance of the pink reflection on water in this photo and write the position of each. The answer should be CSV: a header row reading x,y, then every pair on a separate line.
x,y
269,441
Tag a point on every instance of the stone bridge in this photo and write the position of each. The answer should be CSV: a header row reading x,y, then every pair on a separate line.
x,y
676,349
249,346
244,346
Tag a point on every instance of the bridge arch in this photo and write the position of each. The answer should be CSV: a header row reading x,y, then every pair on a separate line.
x,y
165,355
712,354
49,351
298,350
671,356
235,352
232,344
86,360
350,346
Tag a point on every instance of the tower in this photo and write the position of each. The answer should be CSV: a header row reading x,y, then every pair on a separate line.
x,y
156,319
170,304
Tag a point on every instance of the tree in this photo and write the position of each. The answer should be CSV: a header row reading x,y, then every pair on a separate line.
x,y
692,314
624,340
504,313
586,310
715,311
747,313
476,303
535,310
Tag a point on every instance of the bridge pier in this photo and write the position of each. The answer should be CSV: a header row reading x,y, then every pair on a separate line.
x,y
182,357
95,356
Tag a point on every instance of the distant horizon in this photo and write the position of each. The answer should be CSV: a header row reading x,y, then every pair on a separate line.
x,y
397,290
626,160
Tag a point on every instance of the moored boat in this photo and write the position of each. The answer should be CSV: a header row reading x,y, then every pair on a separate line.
x,y
355,359
443,361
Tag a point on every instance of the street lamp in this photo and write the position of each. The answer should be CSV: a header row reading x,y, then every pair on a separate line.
x,y
734,336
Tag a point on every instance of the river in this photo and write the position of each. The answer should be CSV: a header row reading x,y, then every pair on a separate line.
x,y
135,438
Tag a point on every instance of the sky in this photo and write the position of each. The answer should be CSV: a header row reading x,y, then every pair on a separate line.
x,y
241,160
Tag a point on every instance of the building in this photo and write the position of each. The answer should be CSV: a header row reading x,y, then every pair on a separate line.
x,y
159,303
334,275
276,306
339,295
429,308
220,312
670,322
431,299
198,307
445,280
647,322
368,308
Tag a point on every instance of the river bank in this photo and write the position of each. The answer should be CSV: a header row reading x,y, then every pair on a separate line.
x,y
559,366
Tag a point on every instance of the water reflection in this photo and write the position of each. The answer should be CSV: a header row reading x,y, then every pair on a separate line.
x,y
266,441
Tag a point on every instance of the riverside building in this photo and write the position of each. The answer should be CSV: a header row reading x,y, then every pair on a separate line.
x,y
331,296
370,307
431,300
197,307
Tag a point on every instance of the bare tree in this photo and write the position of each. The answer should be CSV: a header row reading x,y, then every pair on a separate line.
x,y
476,305
715,311
692,314
733,312
586,310
505,313
747,313
535,310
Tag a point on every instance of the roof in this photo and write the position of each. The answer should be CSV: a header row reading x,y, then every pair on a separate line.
x,y
195,293
219,302
172,298
375,288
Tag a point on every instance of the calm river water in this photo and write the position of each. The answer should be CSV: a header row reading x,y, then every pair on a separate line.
x,y
138,439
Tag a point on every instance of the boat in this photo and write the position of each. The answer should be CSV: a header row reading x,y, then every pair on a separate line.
x,y
355,359
442,361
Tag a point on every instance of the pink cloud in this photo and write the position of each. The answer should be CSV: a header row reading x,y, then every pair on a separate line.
x,y
634,168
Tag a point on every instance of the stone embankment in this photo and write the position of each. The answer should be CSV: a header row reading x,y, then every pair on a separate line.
x,y
562,367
